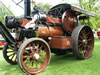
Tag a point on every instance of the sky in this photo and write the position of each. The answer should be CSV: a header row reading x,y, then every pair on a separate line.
x,y
19,11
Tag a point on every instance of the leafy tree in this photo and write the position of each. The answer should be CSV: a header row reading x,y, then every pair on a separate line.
x,y
90,5
4,11
45,7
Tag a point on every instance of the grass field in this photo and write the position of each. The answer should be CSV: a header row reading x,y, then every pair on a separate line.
x,y
61,65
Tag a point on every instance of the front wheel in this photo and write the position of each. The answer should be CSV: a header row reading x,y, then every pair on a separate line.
x,y
33,55
83,41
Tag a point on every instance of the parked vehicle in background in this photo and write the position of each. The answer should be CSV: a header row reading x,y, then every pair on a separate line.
x,y
98,33
95,33
2,40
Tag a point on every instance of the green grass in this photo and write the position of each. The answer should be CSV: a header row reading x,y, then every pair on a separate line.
x,y
61,65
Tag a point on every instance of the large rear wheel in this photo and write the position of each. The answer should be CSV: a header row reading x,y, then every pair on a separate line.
x,y
33,56
83,41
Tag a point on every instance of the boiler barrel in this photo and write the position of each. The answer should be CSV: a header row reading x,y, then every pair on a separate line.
x,y
51,31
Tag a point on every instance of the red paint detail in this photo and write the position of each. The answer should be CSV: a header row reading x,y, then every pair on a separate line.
x,y
2,43
32,23
98,33
54,20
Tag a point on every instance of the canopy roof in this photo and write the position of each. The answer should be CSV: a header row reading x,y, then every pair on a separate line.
x,y
61,8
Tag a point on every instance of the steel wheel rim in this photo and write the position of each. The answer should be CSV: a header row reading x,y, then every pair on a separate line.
x,y
11,54
35,60
85,42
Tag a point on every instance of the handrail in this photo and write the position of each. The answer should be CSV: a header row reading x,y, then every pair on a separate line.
x,y
18,3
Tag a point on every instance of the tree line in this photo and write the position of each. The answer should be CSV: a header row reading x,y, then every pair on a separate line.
x,y
4,11
90,5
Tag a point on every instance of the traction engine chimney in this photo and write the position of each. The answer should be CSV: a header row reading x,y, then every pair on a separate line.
x,y
27,8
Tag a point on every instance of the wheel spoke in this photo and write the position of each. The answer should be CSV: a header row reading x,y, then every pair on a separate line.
x,y
33,45
27,56
37,48
15,58
80,41
88,47
89,39
80,45
30,64
37,64
84,34
10,48
80,49
9,51
83,53
81,37
32,67
31,48
42,55
12,57
40,49
88,33
26,60
26,51
41,59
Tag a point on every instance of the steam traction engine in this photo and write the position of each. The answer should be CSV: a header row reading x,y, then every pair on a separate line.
x,y
38,35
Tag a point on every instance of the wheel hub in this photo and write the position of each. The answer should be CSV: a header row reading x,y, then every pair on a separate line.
x,y
36,56
85,41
